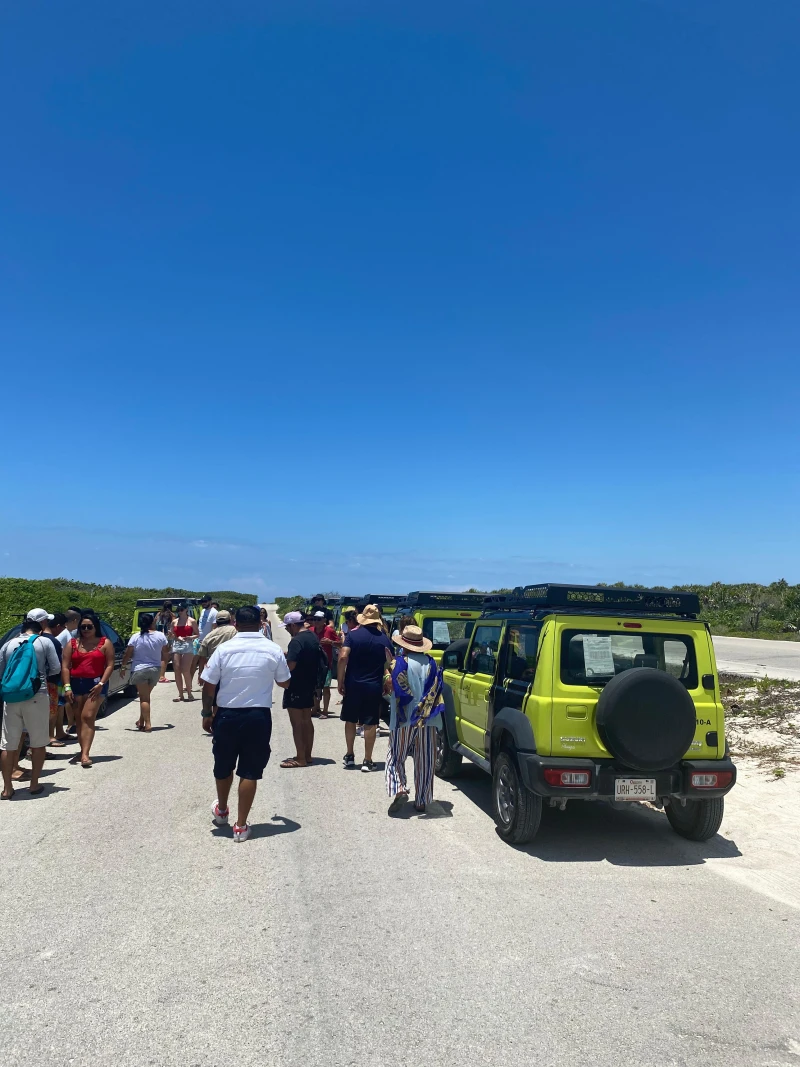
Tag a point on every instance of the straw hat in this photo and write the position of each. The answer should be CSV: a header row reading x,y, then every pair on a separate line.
x,y
412,639
371,616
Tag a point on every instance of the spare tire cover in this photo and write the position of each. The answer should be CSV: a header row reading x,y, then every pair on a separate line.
x,y
646,718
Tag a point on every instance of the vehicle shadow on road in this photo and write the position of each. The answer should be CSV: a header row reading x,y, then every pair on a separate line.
x,y
592,831
284,826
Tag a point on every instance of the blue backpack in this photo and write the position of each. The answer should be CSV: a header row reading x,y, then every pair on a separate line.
x,y
21,679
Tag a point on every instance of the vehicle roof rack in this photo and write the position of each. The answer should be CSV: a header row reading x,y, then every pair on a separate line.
x,y
597,598
335,601
444,600
157,602
383,598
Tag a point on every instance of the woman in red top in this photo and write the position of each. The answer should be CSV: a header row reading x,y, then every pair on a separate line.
x,y
182,634
86,666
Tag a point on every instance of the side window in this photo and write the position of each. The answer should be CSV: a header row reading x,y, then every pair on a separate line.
x,y
520,652
110,633
483,651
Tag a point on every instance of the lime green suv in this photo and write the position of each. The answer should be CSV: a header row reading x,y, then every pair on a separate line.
x,y
567,693
443,617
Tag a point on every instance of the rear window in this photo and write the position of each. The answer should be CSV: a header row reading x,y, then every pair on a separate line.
x,y
593,657
442,632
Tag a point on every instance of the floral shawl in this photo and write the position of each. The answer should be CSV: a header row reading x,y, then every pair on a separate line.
x,y
432,703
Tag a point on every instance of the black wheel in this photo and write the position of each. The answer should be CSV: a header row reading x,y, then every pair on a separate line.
x,y
130,691
103,709
516,810
448,762
698,820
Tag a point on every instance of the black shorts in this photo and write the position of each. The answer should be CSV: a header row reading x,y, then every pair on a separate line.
x,y
362,706
241,734
298,698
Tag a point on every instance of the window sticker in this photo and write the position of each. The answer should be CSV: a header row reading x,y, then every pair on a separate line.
x,y
597,656
441,632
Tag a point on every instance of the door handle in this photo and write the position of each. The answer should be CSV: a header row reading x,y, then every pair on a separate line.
x,y
486,696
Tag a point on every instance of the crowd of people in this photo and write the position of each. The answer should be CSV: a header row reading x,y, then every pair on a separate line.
x,y
55,674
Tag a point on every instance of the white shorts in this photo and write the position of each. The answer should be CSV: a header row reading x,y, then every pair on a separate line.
x,y
31,715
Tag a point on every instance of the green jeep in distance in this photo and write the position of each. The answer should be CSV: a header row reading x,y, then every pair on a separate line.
x,y
582,692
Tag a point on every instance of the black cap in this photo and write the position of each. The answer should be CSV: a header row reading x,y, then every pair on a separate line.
x,y
205,597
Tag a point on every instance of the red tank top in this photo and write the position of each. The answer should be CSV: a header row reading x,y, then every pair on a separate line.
x,y
183,631
88,664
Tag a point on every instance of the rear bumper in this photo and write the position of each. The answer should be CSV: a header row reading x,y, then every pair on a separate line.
x,y
673,782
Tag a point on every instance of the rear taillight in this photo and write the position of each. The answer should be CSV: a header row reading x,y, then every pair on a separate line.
x,y
717,780
572,779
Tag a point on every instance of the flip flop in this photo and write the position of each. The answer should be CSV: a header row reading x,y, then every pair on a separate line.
x,y
35,792
56,744
7,796
86,765
290,764
178,700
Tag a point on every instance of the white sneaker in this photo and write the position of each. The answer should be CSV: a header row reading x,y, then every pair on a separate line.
x,y
219,817
241,833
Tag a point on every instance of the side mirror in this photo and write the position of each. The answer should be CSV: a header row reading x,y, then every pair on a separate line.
x,y
453,661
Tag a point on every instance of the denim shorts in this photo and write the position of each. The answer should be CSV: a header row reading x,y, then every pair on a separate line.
x,y
81,687
243,735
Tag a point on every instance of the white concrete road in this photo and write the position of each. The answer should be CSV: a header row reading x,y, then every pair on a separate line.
x,y
136,933
757,658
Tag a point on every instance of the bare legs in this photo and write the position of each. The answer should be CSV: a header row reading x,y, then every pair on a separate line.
x,y
182,665
370,733
86,709
8,763
144,692
303,732
247,794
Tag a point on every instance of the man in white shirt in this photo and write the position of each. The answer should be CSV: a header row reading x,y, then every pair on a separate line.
x,y
208,616
239,678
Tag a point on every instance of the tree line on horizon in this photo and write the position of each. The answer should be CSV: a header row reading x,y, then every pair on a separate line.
x,y
729,608
113,603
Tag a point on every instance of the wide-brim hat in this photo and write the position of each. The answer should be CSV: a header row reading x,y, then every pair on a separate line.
x,y
370,616
412,638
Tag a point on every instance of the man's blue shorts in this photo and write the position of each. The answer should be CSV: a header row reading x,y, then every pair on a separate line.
x,y
241,734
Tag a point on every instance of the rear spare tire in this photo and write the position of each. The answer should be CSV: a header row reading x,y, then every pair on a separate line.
x,y
646,718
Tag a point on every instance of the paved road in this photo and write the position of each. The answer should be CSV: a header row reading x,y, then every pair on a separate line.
x,y
751,656
136,933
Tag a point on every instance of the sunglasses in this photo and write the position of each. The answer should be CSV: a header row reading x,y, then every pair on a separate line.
x,y
87,626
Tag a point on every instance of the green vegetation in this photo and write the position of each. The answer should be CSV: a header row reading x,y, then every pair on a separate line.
x,y
745,610
115,603
290,603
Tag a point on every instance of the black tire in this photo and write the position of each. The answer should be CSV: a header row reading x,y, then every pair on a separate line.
x,y
103,709
447,762
646,718
130,691
516,810
698,820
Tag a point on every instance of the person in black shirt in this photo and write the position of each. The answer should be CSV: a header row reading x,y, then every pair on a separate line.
x,y
362,661
304,656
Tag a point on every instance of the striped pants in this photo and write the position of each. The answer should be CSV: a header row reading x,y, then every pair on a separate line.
x,y
421,743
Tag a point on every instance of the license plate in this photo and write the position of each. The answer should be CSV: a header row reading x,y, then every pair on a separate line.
x,y
634,789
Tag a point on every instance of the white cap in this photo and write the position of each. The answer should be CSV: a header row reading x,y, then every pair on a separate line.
x,y
39,615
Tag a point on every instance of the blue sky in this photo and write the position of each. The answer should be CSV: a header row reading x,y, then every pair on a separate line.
x,y
380,296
